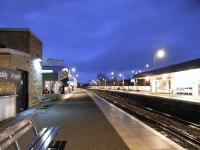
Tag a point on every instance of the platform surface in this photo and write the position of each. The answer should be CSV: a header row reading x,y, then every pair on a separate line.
x,y
135,134
81,123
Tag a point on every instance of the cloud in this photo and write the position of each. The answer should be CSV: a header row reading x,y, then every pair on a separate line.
x,y
101,35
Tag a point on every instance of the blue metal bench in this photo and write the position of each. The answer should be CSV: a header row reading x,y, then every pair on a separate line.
x,y
42,140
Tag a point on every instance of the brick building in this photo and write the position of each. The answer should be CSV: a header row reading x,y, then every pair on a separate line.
x,y
21,50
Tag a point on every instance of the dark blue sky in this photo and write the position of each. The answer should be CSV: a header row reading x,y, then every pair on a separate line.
x,y
109,35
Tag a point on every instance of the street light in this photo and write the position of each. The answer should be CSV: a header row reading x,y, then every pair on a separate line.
x,y
159,54
73,69
98,81
73,72
93,82
147,65
112,77
104,81
121,75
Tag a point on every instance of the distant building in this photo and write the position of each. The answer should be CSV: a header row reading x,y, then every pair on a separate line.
x,y
55,75
183,78
21,50
72,81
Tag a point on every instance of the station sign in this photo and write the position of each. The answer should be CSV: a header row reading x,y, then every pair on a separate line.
x,y
10,75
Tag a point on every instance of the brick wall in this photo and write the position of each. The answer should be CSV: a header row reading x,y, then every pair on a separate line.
x,y
6,87
15,40
25,41
12,62
35,79
30,64
5,60
35,46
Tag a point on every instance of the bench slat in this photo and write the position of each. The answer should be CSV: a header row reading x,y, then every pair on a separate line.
x,y
42,139
28,147
49,139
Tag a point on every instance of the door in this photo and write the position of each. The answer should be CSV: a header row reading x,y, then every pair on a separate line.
x,y
22,92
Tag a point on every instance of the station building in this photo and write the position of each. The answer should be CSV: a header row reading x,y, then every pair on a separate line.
x,y
21,51
55,76
179,79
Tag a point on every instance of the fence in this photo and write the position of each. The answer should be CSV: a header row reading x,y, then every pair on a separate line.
x,y
128,88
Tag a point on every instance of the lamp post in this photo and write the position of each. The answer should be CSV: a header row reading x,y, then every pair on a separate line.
x,y
73,71
104,81
77,77
159,54
121,75
113,77
147,66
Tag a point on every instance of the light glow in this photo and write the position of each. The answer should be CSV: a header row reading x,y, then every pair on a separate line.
x,y
160,53
37,65
73,69
65,69
164,76
47,71
147,78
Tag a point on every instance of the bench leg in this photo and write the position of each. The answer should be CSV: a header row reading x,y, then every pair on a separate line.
x,y
16,143
35,130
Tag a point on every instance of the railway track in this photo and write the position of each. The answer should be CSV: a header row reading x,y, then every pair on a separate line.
x,y
185,133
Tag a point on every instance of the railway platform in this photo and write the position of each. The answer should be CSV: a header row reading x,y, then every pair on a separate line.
x,y
186,98
88,122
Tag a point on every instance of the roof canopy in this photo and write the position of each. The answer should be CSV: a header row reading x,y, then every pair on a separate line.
x,y
193,64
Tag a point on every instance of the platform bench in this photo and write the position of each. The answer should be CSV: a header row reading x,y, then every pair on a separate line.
x,y
42,140
42,100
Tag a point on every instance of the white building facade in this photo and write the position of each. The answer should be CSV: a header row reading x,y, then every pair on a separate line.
x,y
180,79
